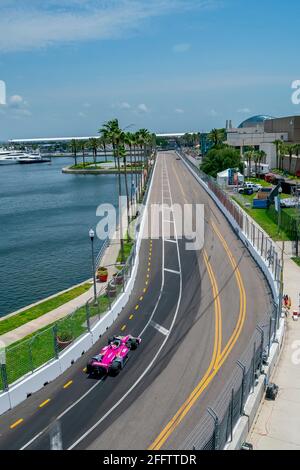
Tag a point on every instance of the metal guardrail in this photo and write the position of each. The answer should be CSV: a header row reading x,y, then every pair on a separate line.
x,y
216,427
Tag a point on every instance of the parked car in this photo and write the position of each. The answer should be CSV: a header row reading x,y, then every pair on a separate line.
x,y
250,187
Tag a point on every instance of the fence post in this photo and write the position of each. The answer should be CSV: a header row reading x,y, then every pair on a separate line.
x,y
231,414
262,244
216,432
4,377
30,354
261,331
87,310
270,336
56,349
243,386
253,367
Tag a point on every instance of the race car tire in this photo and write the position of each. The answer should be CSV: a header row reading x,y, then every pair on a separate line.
x,y
115,368
132,344
89,369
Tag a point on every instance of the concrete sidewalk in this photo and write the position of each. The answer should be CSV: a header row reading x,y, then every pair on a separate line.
x,y
109,259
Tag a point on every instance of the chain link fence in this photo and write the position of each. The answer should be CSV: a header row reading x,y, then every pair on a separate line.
x,y
27,355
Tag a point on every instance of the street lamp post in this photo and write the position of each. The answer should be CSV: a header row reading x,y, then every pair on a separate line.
x,y
92,236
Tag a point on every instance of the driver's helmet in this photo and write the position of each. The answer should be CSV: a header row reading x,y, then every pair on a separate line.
x,y
116,344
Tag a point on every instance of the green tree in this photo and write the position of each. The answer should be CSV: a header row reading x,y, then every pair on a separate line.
x,y
93,145
258,157
129,140
74,148
220,159
217,136
112,133
278,144
82,147
102,145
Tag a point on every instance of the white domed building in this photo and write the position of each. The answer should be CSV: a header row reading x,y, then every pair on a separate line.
x,y
253,132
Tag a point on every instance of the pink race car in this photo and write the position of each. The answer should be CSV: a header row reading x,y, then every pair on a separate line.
x,y
112,358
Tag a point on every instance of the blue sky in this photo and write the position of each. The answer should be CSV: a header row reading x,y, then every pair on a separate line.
x,y
168,65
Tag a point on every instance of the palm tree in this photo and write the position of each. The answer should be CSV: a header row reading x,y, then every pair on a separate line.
x,y
94,144
128,140
112,132
278,144
217,136
74,148
290,149
258,157
122,154
106,135
135,143
102,143
249,154
82,146
145,139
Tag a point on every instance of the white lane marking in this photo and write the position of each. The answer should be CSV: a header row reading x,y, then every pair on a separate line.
x,y
32,440
170,241
160,328
156,355
169,221
62,414
172,271
94,386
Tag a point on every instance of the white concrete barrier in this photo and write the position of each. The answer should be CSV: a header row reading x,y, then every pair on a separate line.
x,y
75,351
4,402
33,382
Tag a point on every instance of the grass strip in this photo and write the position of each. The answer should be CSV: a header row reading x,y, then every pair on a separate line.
x,y
41,309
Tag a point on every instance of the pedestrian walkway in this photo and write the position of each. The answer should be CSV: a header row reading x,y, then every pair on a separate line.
x,y
109,259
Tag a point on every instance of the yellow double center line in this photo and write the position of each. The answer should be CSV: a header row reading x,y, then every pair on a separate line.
x,y
243,301
218,357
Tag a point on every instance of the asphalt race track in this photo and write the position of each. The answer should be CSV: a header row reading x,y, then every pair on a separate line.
x,y
195,312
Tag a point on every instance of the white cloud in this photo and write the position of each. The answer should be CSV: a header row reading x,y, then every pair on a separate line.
x,y
86,105
179,111
183,47
16,101
125,105
37,24
81,115
16,107
142,108
214,113
244,111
